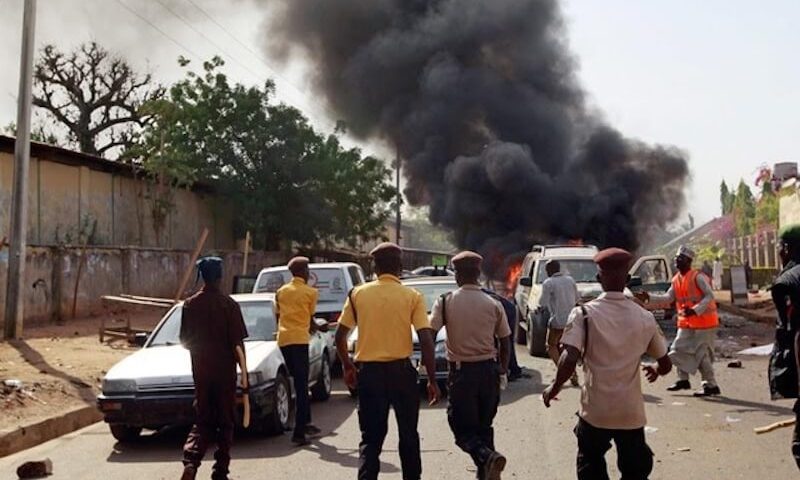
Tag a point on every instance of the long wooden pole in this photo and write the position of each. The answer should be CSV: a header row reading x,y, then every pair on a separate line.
x,y
190,268
246,252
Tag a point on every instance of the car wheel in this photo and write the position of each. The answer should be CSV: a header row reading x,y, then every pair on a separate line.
x,y
278,420
125,433
322,389
537,346
521,333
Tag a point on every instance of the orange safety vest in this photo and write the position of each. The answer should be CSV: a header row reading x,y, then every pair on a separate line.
x,y
687,295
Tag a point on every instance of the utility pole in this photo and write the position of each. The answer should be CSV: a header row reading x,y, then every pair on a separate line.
x,y
399,200
15,280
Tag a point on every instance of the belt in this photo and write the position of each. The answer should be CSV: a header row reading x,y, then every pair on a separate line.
x,y
386,363
462,365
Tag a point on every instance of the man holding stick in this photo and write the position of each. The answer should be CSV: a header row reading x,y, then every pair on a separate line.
x,y
213,330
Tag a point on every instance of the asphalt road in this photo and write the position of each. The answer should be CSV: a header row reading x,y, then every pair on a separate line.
x,y
692,439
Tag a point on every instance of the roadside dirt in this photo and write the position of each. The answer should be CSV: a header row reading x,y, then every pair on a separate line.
x,y
56,368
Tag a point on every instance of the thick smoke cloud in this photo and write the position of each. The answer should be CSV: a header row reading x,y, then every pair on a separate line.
x,y
481,99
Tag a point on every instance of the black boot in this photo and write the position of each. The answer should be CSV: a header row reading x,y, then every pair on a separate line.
x,y
708,391
680,385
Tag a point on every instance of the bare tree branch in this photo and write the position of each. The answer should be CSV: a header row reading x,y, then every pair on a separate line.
x,y
95,95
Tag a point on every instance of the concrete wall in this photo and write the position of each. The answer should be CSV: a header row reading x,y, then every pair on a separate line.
x,y
51,273
64,197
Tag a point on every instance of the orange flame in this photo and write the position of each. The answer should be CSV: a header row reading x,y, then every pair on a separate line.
x,y
575,242
512,277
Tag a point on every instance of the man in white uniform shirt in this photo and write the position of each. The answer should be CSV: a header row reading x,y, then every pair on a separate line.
x,y
611,334
559,296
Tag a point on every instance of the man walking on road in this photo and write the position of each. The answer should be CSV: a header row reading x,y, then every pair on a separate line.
x,y
693,348
559,296
716,271
295,304
385,311
212,329
515,372
474,321
611,334
786,297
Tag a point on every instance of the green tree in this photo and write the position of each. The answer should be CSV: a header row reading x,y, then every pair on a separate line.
x,y
425,234
284,181
726,198
744,209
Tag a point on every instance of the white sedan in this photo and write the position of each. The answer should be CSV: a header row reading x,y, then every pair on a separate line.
x,y
154,388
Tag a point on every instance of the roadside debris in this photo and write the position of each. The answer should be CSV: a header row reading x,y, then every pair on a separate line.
x,y
774,426
37,469
735,364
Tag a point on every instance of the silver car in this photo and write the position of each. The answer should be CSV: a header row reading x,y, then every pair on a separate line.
x,y
154,388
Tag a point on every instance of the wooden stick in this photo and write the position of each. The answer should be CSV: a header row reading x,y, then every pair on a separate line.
x,y
246,252
188,273
81,261
774,426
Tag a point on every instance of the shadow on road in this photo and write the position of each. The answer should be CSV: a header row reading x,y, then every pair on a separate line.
x,y
744,406
35,359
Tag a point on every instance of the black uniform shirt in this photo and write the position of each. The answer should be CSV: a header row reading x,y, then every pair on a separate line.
x,y
211,328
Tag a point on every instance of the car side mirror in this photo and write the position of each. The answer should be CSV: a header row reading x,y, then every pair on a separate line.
x,y
526,281
635,282
140,339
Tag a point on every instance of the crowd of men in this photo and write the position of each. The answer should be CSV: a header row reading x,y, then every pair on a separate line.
x,y
608,336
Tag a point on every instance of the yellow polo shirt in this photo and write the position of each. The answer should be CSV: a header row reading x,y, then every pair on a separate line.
x,y
386,312
296,303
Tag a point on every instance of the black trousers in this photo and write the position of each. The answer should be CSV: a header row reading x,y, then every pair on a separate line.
x,y
382,385
796,434
474,394
634,457
215,408
296,357
513,365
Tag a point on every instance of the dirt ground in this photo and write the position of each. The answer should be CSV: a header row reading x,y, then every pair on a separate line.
x,y
60,367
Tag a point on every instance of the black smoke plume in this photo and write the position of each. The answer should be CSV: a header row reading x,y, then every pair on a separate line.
x,y
481,99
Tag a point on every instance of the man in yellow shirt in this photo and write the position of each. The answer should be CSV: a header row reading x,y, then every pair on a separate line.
x,y
385,311
295,304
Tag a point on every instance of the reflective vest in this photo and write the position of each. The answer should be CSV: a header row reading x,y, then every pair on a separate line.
x,y
687,295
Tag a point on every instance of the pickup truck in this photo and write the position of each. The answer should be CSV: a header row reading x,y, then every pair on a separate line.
x,y
650,273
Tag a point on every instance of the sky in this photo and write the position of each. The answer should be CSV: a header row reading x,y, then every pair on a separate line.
x,y
717,79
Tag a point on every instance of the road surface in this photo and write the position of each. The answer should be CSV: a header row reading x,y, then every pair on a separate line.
x,y
692,439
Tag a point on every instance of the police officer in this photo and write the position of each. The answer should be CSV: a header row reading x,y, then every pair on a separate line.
x,y
474,321
786,297
611,334
385,311
295,304
212,329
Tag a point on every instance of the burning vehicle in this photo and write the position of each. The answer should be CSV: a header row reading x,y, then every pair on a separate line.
x,y
649,273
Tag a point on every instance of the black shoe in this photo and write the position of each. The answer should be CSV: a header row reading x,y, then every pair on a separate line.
x,y
680,385
312,430
301,441
708,391
494,466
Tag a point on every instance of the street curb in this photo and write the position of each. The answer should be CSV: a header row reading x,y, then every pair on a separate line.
x,y
16,440
748,314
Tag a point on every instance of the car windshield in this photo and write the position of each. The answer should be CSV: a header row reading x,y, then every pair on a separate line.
x,y
582,271
329,281
432,291
258,318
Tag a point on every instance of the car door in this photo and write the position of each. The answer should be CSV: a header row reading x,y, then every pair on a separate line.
x,y
521,293
655,272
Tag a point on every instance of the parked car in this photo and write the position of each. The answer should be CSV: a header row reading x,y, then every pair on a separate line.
x,y
433,271
154,388
332,280
577,262
431,288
